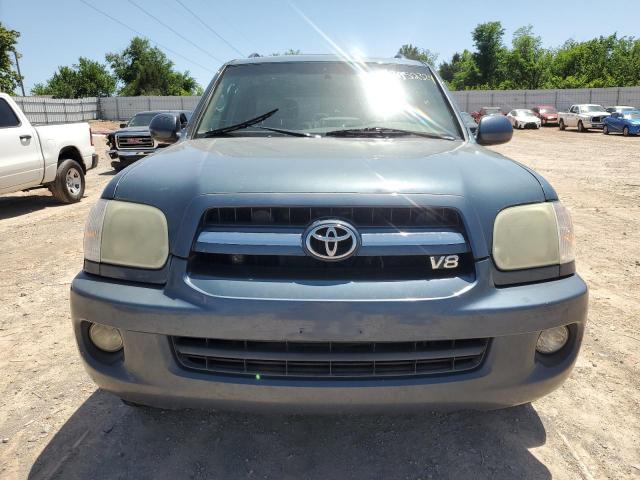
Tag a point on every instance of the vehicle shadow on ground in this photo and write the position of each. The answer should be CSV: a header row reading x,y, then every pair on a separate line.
x,y
105,439
17,206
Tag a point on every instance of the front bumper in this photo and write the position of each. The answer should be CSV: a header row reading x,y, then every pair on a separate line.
x,y
128,157
511,372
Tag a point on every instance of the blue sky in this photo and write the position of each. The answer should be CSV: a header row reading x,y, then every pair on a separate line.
x,y
57,32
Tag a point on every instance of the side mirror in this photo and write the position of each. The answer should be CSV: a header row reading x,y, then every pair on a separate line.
x,y
493,130
123,125
165,128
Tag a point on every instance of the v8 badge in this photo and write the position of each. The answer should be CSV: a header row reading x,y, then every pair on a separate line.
x,y
444,262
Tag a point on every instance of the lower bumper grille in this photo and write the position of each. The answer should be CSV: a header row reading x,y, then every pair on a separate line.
x,y
329,359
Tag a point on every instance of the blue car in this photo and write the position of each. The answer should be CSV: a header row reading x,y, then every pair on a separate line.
x,y
627,123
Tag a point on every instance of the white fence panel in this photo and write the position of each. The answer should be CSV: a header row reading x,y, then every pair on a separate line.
x,y
473,100
58,110
123,108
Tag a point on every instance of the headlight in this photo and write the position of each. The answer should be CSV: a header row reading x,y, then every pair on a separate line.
x,y
536,235
127,234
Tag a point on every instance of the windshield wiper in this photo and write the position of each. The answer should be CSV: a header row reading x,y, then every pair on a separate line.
x,y
239,126
384,132
294,133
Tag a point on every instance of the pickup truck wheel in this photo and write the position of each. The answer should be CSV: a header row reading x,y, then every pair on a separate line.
x,y
68,187
561,125
581,127
625,131
605,130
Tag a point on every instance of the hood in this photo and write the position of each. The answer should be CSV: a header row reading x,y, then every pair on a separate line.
x,y
322,165
136,130
528,118
546,115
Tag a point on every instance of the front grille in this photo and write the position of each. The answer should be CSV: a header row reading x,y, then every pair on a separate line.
x,y
596,119
248,358
141,141
430,217
286,267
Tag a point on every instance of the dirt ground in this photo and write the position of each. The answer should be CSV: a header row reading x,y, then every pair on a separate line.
x,y
54,423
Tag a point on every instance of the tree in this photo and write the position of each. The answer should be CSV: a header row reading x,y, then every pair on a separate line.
x,y
527,61
9,79
461,72
490,51
145,70
414,53
87,78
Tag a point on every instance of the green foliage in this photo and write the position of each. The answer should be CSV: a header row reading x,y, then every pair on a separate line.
x,y
9,79
87,78
146,70
600,62
414,53
490,53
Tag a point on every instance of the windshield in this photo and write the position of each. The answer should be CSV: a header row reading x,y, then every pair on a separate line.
x,y
524,113
548,110
591,108
142,119
318,97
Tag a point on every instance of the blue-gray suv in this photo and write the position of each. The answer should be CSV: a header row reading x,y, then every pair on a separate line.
x,y
328,236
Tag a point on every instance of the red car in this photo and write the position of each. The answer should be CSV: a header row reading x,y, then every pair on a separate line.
x,y
547,114
486,111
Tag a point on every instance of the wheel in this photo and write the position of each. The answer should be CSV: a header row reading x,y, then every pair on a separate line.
x,y
605,130
561,125
68,187
581,127
625,131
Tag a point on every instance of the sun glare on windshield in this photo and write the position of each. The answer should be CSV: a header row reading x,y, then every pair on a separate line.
x,y
384,92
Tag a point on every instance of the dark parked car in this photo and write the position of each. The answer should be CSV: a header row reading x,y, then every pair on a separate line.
x,y
626,122
547,114
270,260
133,141
486,111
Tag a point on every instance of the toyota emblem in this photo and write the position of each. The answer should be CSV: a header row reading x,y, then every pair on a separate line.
x,y
331,240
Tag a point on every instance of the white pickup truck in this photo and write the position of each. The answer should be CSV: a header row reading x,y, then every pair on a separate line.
x,y
52,156
583,116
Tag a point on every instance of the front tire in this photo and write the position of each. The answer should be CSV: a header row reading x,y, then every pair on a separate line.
x,y
561,125
69,185
625,131
605,130
581,127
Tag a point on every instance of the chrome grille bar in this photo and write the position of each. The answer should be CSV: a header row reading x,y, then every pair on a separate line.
x,y
289,242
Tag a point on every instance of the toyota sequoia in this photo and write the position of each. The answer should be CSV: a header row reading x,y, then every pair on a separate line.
x,y
327,236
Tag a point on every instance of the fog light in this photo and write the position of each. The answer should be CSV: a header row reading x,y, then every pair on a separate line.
x,y
552,340
107,339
